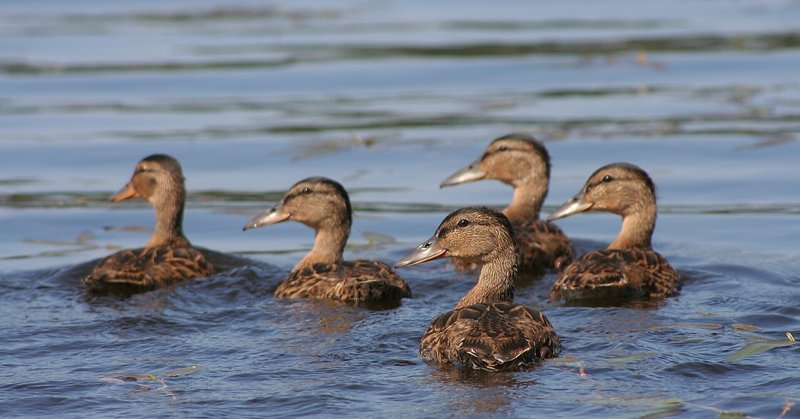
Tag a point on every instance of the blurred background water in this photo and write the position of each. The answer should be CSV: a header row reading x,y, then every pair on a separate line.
x,y
390,97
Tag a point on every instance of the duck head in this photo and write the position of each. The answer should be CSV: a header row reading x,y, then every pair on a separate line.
x,y
472,233
512,159
316,202
619,188
156,178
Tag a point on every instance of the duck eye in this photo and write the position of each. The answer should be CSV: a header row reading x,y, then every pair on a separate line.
x,y
463,223
305,191
607,178
503,148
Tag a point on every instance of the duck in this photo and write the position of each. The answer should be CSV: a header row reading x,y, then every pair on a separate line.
x,y
486,330
324,205
168,257
628,267
522,161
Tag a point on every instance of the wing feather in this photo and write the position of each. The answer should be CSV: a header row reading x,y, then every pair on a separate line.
x,y
143,269
612,273
360,281
492,337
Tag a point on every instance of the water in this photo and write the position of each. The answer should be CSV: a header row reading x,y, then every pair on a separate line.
x,y
389,98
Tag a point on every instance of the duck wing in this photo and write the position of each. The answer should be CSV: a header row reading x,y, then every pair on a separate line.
x,y
542,245
618,273
137,270
492,337
359,281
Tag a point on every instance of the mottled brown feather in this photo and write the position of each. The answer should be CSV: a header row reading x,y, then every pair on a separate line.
x,y
625,273
542,245
358,281
492,337
143,269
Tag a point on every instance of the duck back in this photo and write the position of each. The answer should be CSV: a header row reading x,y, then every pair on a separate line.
x,y
143,269
493,337
542,245
358,281
618,273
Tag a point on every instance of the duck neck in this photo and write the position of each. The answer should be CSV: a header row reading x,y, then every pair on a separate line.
x,y
637,230
328,246
496,281
529,195
169,221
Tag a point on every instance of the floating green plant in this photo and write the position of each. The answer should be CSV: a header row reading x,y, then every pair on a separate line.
x,y
760,345
143,382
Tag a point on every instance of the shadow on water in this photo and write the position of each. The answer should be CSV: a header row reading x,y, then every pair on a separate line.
x,y
488,393
479,378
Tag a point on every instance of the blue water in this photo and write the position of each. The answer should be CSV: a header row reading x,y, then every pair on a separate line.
x,y
389,98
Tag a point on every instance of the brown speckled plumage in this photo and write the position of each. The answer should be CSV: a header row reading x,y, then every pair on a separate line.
x,y
142,269
541,244
618,273
486,330
358,281
629,267
168,257
521,161
324,205
492,337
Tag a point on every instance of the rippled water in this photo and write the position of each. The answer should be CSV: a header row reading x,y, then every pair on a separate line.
x,y
390,97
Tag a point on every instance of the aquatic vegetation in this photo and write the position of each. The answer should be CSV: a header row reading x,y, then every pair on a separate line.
x,y
143,382
759,345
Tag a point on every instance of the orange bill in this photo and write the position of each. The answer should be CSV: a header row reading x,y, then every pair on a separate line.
x,y
127,192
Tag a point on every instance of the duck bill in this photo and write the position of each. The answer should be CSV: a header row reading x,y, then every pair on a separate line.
x,y
273,215
427,251
127,192
469,173
574,205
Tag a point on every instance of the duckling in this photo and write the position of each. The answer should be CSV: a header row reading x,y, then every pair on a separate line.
x,y
521,161
486,330
323,204
628,267
166,258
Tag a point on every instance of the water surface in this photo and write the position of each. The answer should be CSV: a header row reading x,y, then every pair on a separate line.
x,y
389,98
